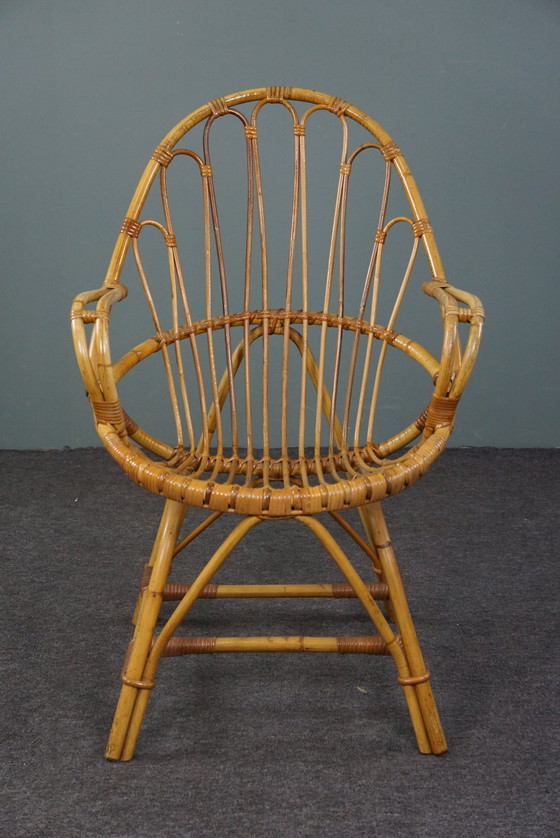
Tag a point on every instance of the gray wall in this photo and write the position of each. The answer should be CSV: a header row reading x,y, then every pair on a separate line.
x,y
467,87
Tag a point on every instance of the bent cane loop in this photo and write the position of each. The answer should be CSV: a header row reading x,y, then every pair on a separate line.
x,y
378,619
160,560
172,624
419,674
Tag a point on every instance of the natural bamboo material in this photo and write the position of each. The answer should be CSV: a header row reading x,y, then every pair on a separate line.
x,y
265,332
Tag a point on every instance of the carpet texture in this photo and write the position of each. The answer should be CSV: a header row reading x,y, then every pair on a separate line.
x,y
282,745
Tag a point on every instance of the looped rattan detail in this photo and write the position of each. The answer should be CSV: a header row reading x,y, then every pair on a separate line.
x,y
412,681
374,645
440,412
390,151
137,683
206,170
131,227
175,591
162,155
299,129
189,646
380,236
233,498
276,319
420,227
89,316
420,421
345,168
170,239
209,592
338,106
251,132
277,94
208,493
219,106
342,590
108,412
474,311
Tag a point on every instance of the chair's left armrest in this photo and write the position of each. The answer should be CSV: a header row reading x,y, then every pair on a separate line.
x,y
93,355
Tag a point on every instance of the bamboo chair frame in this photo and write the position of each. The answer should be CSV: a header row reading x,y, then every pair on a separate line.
x,y
219,467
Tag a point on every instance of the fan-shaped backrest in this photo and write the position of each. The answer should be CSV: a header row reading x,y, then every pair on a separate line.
x,y
276,213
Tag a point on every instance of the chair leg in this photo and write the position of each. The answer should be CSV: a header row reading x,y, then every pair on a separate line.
x,y
145,650
378,619
140,676
367,524
419,675
178,548
147,615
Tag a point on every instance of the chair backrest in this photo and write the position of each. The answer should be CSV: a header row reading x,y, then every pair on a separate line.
x,y
272,324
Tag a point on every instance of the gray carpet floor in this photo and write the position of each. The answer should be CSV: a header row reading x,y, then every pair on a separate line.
x,y
282,745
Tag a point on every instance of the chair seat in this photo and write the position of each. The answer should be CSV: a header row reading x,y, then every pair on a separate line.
x,y
222,490
345,477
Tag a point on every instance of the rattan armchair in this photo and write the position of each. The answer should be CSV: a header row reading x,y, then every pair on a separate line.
x,y
274,347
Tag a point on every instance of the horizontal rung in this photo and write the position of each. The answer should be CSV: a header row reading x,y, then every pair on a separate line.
x,y
378,590
372,645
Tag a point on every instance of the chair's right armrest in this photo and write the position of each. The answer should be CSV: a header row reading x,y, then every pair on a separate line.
x,y
457,362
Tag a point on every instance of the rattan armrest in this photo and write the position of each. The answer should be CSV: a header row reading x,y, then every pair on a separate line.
x,y
457,306
93,356
449,297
